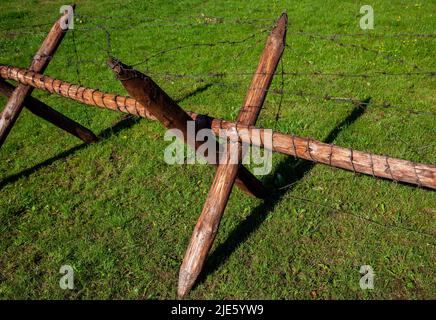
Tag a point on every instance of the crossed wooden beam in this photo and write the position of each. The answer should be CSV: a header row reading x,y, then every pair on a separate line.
x,y
20,96
164,109
150,101
219,192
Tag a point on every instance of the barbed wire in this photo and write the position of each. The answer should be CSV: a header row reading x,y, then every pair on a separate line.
x,y
196,45
324,97
407,229
204,20
200,77
364,35
374,74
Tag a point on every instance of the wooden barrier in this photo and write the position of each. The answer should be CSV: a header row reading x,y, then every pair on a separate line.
x,y
17,98
150,101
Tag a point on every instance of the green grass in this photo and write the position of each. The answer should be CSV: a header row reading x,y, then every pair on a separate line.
x,y
123,218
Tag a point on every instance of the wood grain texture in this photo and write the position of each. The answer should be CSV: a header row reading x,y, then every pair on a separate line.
x,y
39,63
275,45
43,111
423,175
172,116
208,223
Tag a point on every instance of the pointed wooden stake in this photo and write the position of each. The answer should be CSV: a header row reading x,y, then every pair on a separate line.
x,y
39,63
208,223
43,111
172,116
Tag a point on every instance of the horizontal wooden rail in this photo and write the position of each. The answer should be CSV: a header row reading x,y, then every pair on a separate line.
x,y
423,175
43,111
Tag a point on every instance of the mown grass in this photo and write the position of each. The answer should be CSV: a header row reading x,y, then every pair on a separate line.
x,y
123,218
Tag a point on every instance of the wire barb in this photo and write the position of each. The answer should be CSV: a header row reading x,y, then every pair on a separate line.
x,y
352,160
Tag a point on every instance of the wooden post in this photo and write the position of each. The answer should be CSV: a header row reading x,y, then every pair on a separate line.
x,y
172,116
43,111
420,174
39,63
208,223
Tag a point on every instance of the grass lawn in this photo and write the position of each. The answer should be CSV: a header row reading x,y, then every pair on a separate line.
x,y
122,217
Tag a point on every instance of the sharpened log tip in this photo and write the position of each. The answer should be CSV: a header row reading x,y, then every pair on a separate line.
x,y
114,63
283,20
278,33
117,66
186,281
123,71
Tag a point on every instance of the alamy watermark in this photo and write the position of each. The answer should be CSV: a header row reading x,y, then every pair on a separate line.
x,y
67,280
367,20
67,21
367,280
229,151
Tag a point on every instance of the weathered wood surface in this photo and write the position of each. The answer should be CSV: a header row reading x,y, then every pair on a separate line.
x,y
75,92
43,111
172,116
263,76
208,223
39,63
423,175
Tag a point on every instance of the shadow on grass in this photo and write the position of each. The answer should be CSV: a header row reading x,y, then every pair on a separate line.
x,y
292,169
123,124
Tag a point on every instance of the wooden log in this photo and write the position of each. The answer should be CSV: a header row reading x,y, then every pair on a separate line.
x,y
172,116
43,111
88,96
423,175
39,63
207,226
264,73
